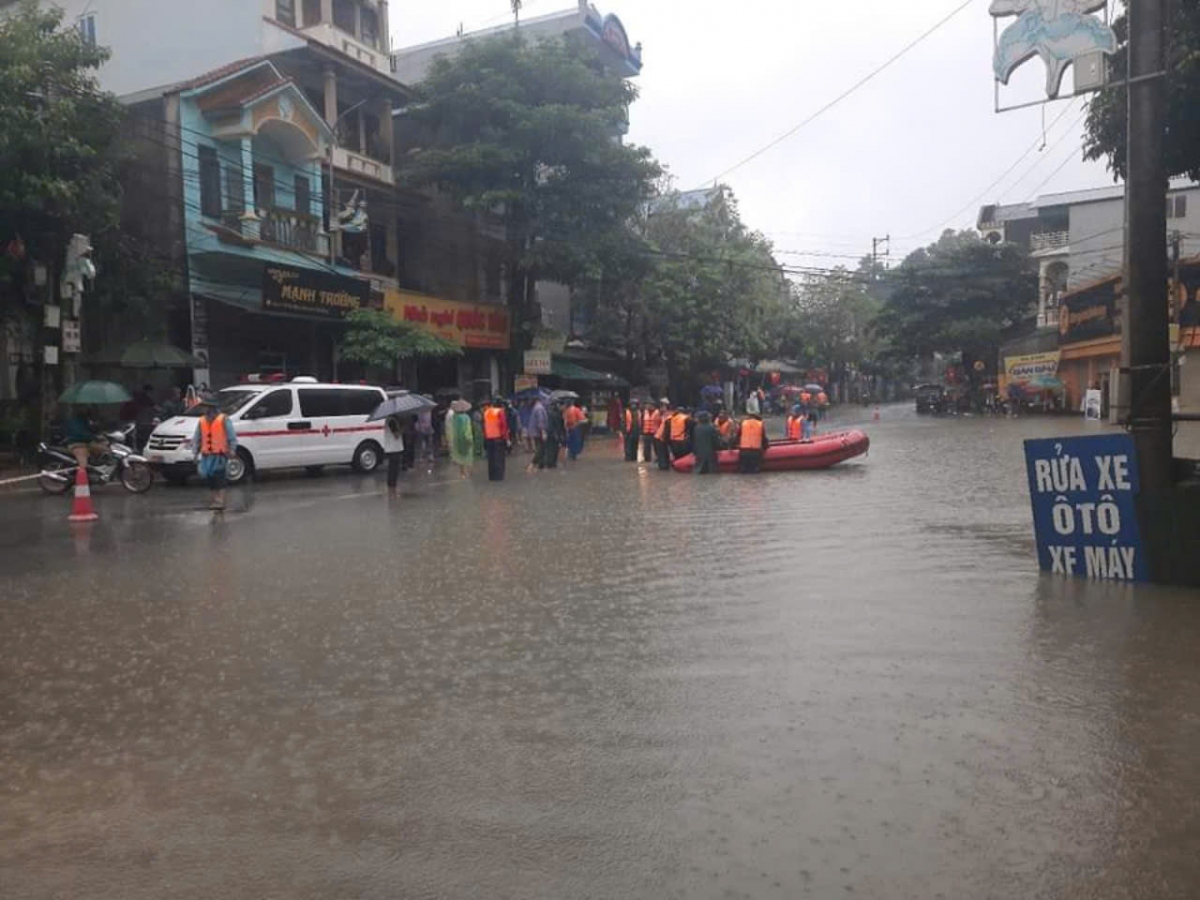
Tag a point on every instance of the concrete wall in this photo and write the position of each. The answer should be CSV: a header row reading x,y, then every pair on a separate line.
x,y
161,42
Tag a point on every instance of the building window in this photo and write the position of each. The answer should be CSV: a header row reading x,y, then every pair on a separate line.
x,y
285,12
87,29
235,190
312,12
343,16
303,196
1181,206
370,27
264,186
210,183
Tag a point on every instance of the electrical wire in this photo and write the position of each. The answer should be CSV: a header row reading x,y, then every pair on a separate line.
x,y
842,96
1038,145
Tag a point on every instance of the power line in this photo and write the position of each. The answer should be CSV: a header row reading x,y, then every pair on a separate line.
x,y
974,200
846,93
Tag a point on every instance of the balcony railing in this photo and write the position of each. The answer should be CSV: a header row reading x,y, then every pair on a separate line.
x,y
361,164
288,228
332,36
1049,240
282,227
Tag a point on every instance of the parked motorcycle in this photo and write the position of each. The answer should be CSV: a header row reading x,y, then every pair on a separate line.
x,y
120,462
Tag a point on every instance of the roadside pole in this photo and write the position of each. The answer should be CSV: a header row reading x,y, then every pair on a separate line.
x,y
1145,343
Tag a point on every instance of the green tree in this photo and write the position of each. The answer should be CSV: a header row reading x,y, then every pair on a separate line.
x,y
956,295
58,134
524,133
716,291
376,339
1105,131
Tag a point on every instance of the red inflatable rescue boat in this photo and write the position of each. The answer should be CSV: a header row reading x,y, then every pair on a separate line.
x,y
821,452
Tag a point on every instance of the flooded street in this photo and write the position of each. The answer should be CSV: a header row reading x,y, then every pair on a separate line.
x,y
608,682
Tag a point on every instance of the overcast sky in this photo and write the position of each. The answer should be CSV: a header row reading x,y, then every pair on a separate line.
x,y
906,155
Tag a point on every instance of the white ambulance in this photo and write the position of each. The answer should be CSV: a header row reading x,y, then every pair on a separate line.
x,y
280,425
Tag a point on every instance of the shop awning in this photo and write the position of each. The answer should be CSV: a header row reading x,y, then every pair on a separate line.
x,y
569,371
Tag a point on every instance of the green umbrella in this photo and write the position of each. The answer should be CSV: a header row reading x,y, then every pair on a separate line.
x,y
94,393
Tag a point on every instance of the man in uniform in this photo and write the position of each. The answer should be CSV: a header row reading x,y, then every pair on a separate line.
x,y
651,419
752,444
704,446
678,433
633,427
496,438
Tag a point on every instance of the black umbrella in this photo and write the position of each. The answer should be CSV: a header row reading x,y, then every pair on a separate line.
x,y
401,403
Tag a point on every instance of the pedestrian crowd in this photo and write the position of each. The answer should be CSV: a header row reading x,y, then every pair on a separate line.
x,y
665,433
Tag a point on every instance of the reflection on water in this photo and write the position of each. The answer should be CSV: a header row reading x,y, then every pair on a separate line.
x,y
607,682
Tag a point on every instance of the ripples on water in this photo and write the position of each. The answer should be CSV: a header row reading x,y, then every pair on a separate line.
x,y
607,682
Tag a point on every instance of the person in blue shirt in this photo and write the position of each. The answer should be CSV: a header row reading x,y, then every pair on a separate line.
x,y
82,439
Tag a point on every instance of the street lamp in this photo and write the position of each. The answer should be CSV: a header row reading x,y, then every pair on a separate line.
x,y
332,203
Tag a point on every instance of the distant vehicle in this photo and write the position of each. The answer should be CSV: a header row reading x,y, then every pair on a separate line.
x,y
280,425
931,398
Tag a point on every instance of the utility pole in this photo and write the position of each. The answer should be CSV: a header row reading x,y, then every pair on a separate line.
x,y
875,242
1145,344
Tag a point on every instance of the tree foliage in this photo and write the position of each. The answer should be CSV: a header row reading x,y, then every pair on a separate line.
x,y
689,287
956,295
525,132
57,128
1105,131
375,338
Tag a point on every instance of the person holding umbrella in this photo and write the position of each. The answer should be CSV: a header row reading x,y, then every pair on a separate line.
x,y
393,450
216,443
398,412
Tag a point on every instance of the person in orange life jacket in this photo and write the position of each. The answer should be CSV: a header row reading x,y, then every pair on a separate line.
x,y
216,443
663,437
795,423
679,433
818,410
651,418
496,438
633,425
752,444
574,419
726,429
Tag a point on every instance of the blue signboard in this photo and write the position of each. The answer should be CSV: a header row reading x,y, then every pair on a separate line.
x,y
1084,517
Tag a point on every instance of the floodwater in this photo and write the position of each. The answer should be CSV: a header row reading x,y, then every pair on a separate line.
x,y
600,683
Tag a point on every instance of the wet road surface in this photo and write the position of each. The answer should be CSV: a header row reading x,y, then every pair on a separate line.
x,y
605,683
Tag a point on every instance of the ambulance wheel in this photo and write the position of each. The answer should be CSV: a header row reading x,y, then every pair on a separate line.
x,y
240,468
367,457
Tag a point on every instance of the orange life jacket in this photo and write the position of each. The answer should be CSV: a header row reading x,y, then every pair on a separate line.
x,y
213,440
664,425
793,428
679,427
629,421
725,429
752,435
495,424
651,419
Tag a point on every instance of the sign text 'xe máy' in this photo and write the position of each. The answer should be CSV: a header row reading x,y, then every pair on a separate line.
x,y
1084,493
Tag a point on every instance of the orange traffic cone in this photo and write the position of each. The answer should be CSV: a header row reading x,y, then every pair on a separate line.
x,y
875,415
81,507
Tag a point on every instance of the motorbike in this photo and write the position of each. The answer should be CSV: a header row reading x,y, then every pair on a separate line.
x,y
120,463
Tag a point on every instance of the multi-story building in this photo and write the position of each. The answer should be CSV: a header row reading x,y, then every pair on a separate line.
x,y
265,132
1078,240
583,25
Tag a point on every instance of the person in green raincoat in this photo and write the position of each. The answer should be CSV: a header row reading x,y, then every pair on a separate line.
x,y
460,437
